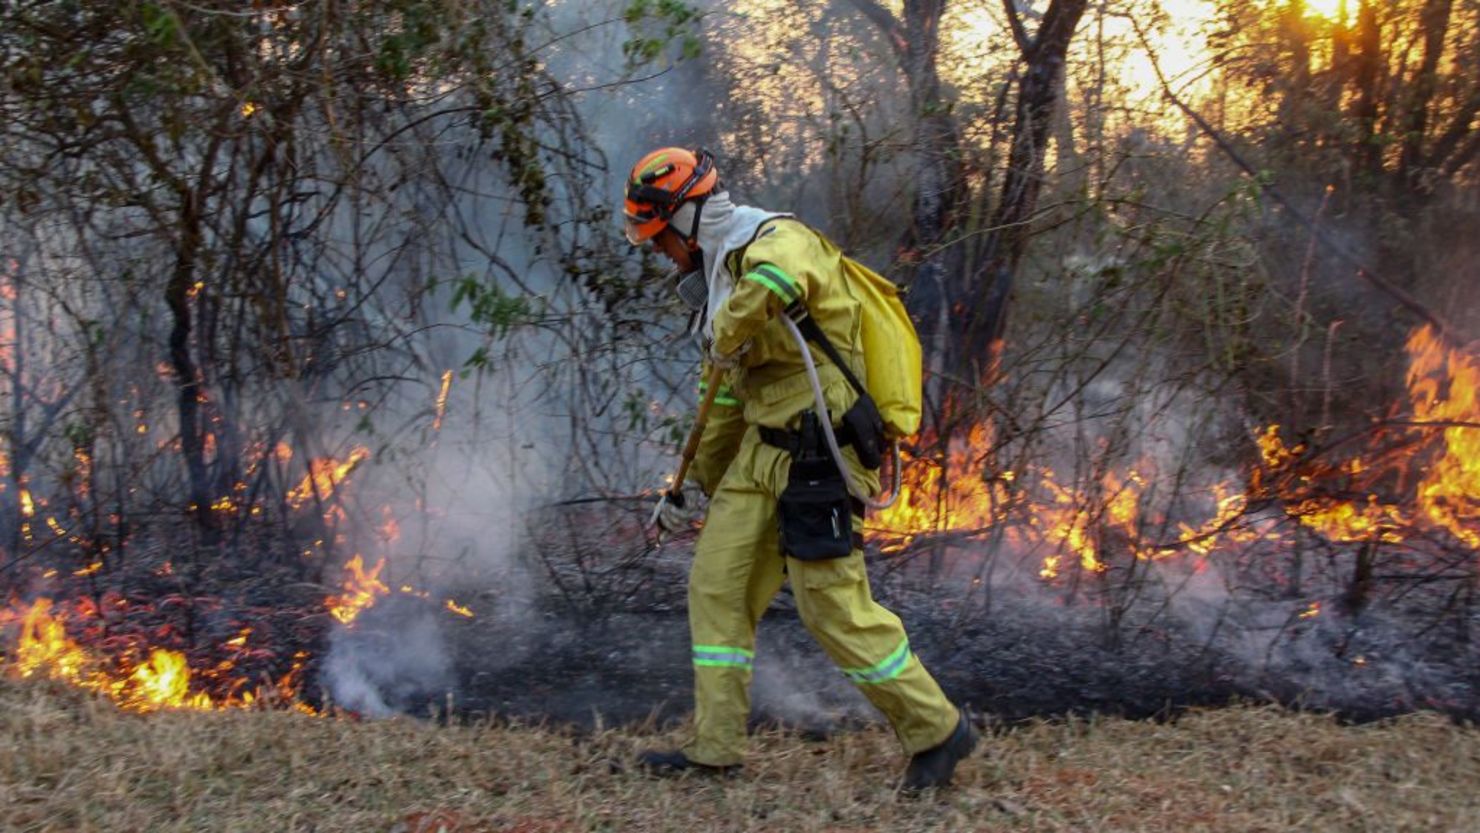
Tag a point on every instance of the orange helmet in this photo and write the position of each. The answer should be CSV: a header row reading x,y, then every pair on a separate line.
x,y
660,183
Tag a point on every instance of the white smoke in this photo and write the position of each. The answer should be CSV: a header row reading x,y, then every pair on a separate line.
x,y
387,672
800,686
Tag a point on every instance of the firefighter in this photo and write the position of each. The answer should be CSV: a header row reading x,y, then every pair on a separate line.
x,y
741,267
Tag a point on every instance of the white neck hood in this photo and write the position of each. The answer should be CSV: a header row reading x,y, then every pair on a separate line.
x,y
723,228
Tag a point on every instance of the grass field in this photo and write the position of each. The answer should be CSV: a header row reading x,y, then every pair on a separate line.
x,y
71,763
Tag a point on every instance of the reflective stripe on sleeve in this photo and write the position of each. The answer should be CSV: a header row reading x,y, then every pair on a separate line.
x,y
772,278
884,670
722,656
724,397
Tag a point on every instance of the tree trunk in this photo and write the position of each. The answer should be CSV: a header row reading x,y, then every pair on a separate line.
x,y
177,297
1435,25
934,262
1368,153
984,311
1297,91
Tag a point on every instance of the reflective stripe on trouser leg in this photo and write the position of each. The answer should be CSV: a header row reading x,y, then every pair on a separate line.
x,y
868,642
736,571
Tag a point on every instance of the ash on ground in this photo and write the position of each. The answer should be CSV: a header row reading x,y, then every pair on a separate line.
x,y
1022,656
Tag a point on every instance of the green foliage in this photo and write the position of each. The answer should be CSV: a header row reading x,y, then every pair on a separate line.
x,y
657,24
160,24
491,307
410,43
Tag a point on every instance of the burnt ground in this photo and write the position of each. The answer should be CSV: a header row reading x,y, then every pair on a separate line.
x,y
546,661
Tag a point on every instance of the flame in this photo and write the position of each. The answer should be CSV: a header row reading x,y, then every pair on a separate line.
x,y
164,681
83,474
442,400
361,589
324,475
1442,442
1443,385
1088,520
935,495
160,681
390,528
458,609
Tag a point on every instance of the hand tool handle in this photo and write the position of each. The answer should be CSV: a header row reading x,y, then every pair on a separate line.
x,y
691,448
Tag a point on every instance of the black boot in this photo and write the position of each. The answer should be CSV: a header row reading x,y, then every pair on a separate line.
x,y
935,766
676,763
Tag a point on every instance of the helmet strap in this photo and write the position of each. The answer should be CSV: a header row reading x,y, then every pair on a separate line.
x,y
693,234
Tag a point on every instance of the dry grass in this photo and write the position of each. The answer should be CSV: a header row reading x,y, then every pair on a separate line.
x,y
69,763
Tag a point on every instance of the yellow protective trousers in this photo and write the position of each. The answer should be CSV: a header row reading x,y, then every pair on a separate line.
x,y
738,567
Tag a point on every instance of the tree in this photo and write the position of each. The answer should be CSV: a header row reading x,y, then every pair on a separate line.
x,y
982,310
283,186
933,250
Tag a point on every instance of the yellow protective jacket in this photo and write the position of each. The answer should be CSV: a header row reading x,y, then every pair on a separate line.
x,y
786,261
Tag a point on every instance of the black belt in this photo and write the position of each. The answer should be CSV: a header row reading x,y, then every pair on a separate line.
x,y
791,443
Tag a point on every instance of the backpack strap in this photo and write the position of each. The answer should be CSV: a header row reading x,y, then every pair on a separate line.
x,y
797,312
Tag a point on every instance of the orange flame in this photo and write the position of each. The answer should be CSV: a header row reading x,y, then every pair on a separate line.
x,y
442,400
324,475
361,589
1347,501
161,681
1443,386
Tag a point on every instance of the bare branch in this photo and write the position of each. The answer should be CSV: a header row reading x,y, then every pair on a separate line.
x,y
1025,44
888,24
1412,304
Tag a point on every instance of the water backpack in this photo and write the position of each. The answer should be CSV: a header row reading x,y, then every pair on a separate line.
x,y
891,350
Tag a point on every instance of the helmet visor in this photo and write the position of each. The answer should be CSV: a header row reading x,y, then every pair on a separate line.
x,y
632,230
641,227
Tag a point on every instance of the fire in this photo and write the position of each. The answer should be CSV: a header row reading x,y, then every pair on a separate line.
x,y
164,680
1443,386
442,400
361,589
1442,441
161,681
1087,521
935,496
324,475
390,528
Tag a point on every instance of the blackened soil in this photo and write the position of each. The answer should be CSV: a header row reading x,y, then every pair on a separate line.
x,y
1019,660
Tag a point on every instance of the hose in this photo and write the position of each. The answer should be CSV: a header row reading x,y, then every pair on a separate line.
x,y
827,429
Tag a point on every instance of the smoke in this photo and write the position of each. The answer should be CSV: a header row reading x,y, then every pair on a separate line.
x,y
1312,649
796,683
389,668
1188,629
459,506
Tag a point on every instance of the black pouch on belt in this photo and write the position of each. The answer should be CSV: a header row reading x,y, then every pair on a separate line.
x,y
815,509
